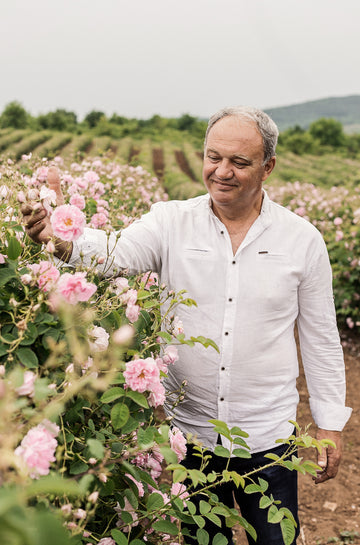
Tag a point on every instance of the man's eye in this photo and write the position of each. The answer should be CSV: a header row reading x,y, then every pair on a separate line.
x,y
213,158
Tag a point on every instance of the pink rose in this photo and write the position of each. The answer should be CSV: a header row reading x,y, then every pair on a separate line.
x,y
139,485
177,443
48,198
48,275
74,287
98,339
98,220
177,326
338,221
129,297
124,335
157,395
106,541
27,388
179,489
132,312
141,374
68,222
38,447
171,354
42,173
149,279
78,200
91,176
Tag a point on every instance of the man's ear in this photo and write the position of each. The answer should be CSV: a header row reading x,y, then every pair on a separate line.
x,y
269,167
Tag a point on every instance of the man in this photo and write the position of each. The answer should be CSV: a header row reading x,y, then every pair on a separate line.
x,y
254,269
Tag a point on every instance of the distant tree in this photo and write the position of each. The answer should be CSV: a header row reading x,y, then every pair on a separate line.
x,y
118,119
14,115
299,143
186,122
92,118
60,120
328,132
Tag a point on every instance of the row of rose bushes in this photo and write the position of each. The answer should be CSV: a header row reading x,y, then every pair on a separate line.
x,y
83,441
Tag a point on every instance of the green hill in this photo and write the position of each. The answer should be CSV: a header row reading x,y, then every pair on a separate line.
x,y
344,109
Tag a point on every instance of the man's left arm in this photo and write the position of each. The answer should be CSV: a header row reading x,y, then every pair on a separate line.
x,y
323,360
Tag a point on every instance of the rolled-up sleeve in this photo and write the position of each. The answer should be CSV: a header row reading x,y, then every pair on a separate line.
x,y
136,249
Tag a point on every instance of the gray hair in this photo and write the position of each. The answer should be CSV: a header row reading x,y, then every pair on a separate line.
x,y
265,125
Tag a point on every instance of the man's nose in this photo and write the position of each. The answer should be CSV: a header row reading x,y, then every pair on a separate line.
x,y
224,170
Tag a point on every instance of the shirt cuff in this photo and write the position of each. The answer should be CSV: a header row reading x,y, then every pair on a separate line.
x,y
329,416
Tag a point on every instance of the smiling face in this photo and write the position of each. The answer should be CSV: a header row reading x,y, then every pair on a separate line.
x,y
233,169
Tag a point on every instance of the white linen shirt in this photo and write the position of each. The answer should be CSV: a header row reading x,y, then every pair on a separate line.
x,y
248,304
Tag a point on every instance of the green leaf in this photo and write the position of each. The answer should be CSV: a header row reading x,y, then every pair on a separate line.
x,y
199,520
119,415
197,476
204,507
238,479
275,515
265,502
14,248
112,394
241,453
53,484
263,484
138,397
240,441
252,489
288,531
219,539
27,357
96,448
6,275
30,335
238,431
154,501
78,467
179,475
166,527
214,519
222,451
145,437
166,336
119,537
202,537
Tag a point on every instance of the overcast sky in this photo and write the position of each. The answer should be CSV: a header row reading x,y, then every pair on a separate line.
x,y
142,57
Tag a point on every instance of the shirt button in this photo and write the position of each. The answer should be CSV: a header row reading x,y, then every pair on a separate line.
x,y
221,399
230,299
223,368
221,232
234,262
226,333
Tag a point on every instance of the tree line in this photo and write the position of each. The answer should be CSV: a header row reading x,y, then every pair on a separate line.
x,y
323,135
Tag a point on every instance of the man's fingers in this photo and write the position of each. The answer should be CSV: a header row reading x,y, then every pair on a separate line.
x,y
53,178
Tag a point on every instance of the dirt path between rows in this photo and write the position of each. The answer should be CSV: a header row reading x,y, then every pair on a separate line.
x,y
184,165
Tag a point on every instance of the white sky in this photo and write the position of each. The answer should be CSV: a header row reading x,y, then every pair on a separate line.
x,y
142,57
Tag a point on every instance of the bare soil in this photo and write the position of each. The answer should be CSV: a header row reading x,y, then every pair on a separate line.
x,y
158,162
133,153
184,165
327,509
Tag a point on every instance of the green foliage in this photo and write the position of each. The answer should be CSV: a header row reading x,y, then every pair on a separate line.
x,y
60,120
328,132
14,115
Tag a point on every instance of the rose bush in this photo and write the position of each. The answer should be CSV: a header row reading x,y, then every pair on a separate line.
x,y
83,442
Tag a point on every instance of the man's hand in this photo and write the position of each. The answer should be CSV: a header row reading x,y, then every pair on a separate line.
x,y
37,222
329,458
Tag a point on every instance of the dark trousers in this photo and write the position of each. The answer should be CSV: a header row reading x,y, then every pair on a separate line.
x,y
282,485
